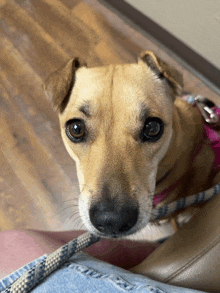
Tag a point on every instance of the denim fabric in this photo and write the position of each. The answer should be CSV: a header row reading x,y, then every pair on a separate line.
x,y
83,273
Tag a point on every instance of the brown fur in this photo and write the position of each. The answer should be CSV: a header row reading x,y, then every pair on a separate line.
x,y
111,100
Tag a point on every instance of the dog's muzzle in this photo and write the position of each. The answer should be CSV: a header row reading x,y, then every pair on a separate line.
x,y
112,218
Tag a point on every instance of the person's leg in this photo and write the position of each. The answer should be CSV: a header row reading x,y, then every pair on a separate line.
x,y
83,273
18,248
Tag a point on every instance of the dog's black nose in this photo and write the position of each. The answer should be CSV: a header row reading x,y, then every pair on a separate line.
x,y
113,219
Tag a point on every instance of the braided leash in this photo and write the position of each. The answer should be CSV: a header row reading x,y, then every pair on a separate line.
x,y
188,201
54,260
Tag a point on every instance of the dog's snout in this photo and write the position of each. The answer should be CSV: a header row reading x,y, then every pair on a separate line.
x,y
111,219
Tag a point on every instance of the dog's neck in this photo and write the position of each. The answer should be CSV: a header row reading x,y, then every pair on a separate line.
x,y
186,168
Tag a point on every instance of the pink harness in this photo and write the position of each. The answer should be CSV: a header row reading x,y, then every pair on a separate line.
x,y
214,139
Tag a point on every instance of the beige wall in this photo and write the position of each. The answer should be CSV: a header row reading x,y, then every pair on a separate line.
x,y
195,22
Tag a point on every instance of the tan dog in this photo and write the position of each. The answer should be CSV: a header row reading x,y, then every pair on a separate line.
x,y
131,137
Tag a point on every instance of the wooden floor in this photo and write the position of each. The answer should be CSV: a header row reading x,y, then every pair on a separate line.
x,y
38,184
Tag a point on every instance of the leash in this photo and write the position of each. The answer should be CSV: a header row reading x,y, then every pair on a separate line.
x,y
55,259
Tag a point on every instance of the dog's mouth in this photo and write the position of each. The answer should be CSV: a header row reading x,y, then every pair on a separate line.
x,y
114,251
117,215
114,218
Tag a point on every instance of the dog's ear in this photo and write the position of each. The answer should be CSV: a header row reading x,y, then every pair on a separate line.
x,y
163,71
59,84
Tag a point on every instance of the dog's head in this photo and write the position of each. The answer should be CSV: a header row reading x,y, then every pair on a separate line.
x,y
116,123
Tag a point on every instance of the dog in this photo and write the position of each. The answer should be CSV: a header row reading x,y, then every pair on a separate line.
x,y
132,136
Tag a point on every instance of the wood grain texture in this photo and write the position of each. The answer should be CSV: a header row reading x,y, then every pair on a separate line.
x,y
38,183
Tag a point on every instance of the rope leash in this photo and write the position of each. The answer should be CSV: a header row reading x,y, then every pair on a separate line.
x,y
54,260
188,201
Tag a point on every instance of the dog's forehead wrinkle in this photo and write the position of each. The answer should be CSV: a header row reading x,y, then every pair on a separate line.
x,y
85,108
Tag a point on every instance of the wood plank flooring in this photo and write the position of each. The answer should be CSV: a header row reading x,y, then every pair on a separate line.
x,y
38,183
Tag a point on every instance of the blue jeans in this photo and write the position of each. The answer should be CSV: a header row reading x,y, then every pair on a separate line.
x,y
83,273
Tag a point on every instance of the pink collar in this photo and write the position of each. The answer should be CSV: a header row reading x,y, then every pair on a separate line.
x,y
214,139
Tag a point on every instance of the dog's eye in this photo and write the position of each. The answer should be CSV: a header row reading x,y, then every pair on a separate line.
x,y
153,129
75,130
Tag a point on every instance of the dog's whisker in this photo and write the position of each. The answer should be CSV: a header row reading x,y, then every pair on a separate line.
x,y
75,213
68,207
81,226
68,200
60,211
76,220
75,225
